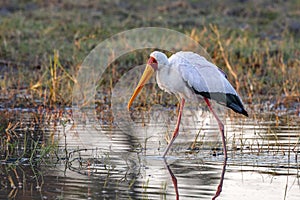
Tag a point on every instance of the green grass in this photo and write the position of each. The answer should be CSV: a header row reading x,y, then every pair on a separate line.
x,y
260,41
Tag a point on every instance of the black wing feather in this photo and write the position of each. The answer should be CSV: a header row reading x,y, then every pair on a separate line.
x,y
230,100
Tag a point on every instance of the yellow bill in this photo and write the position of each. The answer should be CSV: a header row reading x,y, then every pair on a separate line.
x,y
144,79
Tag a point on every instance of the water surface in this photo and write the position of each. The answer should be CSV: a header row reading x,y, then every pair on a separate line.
x,y
121,159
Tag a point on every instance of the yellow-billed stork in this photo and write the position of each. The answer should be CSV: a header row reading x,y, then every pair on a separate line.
x,y
190,76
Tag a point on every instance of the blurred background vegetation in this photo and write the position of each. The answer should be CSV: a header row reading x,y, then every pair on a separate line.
x,y
42,43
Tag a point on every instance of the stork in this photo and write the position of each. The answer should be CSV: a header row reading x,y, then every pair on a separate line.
x,y
188,75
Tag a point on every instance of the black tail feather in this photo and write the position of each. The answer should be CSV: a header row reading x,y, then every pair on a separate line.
x,y
230,100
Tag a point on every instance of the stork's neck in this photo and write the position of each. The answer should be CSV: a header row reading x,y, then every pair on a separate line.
x,y
163,66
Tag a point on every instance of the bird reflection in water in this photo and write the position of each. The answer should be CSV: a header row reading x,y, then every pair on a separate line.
x,y
175,184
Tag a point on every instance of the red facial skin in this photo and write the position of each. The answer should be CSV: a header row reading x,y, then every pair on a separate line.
x,y
153,63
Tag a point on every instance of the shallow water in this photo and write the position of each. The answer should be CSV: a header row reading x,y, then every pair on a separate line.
x,y
121,159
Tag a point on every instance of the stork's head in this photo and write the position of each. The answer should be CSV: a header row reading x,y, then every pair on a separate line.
x,y
160,58
156,61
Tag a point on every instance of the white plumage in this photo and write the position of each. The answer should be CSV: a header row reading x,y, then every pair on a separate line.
x,y
187,74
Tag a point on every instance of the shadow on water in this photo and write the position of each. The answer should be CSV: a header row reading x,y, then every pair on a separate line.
x,y
101,160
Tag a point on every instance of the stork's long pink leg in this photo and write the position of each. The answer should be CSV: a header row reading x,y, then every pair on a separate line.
x,y
175,133
221,127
